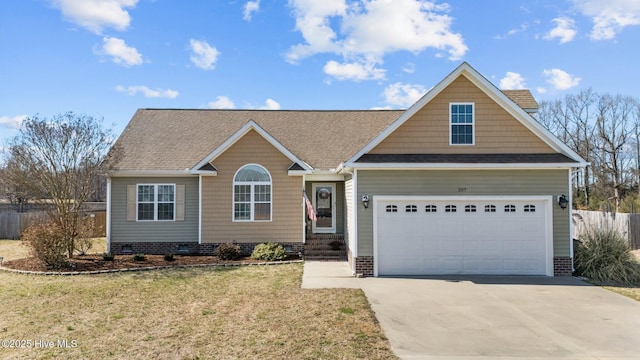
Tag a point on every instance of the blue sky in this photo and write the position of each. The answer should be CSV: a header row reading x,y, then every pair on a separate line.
x,y
107,58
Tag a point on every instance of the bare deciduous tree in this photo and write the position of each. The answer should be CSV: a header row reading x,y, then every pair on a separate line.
x,y
59,161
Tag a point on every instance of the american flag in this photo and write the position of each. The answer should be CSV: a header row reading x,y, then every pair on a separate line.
x,y
310,212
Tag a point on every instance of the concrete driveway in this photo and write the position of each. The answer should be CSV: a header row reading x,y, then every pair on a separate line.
x,y
504,317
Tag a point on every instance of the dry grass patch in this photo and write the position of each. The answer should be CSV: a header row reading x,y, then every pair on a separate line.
x,y
246,312
632,292
13,249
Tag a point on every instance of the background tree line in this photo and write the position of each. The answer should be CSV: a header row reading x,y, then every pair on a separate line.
x,y
605,130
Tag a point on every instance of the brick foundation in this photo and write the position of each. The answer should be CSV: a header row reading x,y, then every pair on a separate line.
x,y
364,265
562,266
189,248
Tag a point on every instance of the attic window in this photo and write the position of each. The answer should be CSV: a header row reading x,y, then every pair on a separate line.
x,y
461,117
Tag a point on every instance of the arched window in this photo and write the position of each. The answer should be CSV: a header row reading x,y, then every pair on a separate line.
x,y
252,194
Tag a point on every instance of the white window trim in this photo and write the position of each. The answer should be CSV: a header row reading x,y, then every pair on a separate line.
x,y
252,195
155,203
473,123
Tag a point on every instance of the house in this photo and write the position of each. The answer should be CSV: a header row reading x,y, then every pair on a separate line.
x,y
465,181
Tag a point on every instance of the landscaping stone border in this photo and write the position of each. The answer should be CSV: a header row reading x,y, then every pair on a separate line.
x,y
147,268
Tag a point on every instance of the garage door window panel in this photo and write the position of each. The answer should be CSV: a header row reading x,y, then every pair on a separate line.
x,y
529,208
411,208
430,208
489,208
509,208
450,208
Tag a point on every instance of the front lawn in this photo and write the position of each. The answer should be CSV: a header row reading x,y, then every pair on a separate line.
x,y
231,313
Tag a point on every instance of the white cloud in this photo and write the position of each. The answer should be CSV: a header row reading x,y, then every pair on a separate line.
x,y
560,80
409,68
12,122
403,94
565,30
512,81
609,17
120,53
204,55
356,71
222,102
147,92
270,104
368,30
96,15
523,27
250,8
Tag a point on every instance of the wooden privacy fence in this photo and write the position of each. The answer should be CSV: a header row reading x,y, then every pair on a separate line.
x,y
627,225
12,225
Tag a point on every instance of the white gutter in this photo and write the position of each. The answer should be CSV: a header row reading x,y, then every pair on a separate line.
x,y
459,166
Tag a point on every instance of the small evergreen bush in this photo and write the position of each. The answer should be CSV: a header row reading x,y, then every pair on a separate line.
x,y
139,257
48,244
228,251
605,257
168,257
269,251
108,256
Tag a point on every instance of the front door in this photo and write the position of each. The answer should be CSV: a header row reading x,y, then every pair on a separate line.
x,y
324,201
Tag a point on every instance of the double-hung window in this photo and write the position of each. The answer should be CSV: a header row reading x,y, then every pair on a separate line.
x,y
252,194
156,202
462,121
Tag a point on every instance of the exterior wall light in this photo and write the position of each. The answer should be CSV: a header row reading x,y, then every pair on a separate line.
x,y
365,201
563,202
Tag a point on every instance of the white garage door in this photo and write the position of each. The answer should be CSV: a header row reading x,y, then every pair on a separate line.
x,y
432,236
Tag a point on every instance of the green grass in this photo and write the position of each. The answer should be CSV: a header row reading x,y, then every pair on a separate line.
x,y
227,313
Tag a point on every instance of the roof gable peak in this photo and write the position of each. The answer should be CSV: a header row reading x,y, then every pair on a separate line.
x,y
478,80
250,125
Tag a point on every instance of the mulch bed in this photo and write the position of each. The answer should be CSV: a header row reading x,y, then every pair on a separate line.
x,y
95,262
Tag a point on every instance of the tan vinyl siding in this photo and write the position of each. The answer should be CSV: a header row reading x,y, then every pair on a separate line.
x,y
339,201
123,230
460,183
217,205
428,130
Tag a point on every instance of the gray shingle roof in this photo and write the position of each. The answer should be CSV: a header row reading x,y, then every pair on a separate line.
x,y
168,139
175,139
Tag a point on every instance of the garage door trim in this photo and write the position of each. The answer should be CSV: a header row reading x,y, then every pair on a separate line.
x,y
547,199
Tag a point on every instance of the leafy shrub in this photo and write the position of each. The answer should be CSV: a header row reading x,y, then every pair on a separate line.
x,y
85,232
139,257
168,257
108,256
47,243
269,251
605,257
227,251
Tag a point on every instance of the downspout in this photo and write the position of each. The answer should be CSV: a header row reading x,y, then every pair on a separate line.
x,y
570,207
200,209
108,230
303,208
